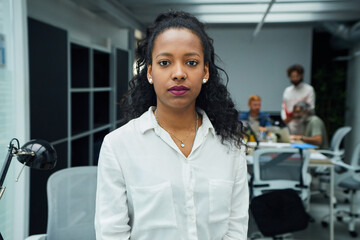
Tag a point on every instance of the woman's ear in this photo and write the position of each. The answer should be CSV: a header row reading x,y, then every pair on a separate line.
x,y
149,74
206,73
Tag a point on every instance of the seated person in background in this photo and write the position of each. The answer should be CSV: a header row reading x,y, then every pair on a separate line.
x,y
257,120
315,132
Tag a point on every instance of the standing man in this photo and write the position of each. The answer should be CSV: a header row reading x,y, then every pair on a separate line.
x,y
299,91
258,120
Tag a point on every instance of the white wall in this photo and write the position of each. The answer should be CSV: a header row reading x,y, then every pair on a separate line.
x,y
22,117
14,117
82,25
259,66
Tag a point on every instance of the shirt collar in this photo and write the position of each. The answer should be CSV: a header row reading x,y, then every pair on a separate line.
x,y
148,121
308,118
206,123
300,85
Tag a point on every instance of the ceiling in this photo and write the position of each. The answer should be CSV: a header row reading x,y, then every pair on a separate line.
x,y
139,13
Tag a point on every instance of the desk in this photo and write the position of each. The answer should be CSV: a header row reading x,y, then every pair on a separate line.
x,y
316,160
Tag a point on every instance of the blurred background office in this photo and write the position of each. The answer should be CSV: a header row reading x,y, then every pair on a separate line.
x,y
65,63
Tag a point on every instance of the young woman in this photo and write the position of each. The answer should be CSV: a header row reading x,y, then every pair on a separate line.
x,y
177,169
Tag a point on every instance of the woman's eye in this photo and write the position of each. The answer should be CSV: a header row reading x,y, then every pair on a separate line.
x,y
164,63
192,63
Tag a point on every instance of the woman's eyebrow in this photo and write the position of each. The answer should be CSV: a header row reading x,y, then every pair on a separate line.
x,y
169,54
192,53
164,54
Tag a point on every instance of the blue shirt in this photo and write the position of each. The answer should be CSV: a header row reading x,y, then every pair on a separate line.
x,y
263,118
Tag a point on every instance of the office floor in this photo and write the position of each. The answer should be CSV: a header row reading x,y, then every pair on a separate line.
x,y
319,208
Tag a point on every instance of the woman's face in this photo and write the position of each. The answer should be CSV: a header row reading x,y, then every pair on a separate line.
x,y
177,69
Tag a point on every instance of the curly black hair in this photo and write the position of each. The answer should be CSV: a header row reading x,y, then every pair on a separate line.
x,y
214,98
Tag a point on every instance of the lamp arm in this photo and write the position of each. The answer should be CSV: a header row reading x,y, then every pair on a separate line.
x,y
12,151
5,168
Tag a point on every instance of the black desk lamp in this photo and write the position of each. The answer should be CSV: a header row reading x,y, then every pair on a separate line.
x,y
37,154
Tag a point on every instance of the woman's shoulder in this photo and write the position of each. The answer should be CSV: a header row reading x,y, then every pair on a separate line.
x,y
130,129
232,148
122,132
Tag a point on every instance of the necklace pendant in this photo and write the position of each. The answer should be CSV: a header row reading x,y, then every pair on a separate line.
x,y
182,145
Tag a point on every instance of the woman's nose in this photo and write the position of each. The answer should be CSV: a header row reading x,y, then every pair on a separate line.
x,y
179,73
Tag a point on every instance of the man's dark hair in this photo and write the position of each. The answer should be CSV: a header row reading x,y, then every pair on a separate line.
x,y
214,98
297,68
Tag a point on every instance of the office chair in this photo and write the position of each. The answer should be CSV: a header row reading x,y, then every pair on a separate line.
x,y
71,205
278,175
348,179
336,155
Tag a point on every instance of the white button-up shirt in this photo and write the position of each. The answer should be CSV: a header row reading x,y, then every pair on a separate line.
x,y
148,190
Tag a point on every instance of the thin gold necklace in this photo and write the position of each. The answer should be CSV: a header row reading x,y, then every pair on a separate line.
x,y
182,144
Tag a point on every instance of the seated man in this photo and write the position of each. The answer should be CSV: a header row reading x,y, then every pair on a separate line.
x,y
315,132
257,120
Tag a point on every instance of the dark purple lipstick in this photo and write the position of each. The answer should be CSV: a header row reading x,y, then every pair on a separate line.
x,y
178,90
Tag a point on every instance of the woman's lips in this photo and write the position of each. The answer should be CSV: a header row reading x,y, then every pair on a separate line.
x,y
178,90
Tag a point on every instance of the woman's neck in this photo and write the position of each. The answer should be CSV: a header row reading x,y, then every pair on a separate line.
x,y
176,120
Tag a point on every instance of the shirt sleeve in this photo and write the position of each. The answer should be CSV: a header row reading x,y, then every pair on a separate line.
x,y
267,120
283,107
111,211
243,116
311,98
315,127
268,123
239,216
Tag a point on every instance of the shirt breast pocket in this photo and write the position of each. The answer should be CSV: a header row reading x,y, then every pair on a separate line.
x,y
153,206
220,192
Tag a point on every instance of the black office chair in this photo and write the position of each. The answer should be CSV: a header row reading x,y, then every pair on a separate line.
x,y
280,191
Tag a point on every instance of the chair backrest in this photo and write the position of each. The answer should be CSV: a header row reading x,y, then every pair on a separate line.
x,y
71,204
345,174
338,137
355,157
276,168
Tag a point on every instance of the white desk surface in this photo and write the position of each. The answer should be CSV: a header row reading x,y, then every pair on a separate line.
x,y
315,156
269,144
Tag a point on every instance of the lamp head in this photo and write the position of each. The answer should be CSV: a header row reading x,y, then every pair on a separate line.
x,y
38,154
